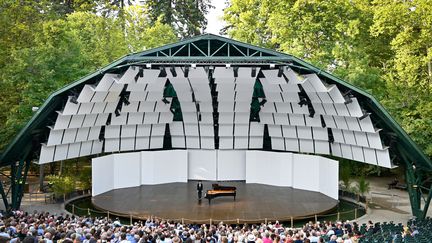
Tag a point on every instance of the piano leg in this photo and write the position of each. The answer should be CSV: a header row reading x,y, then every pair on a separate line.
x,y
209,201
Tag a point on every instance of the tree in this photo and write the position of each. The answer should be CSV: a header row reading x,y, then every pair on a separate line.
x,y
61,185
363,187
187,17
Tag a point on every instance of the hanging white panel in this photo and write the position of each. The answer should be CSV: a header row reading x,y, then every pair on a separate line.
x,y
192,142
346,151
226,117
62,121
322,147
156,142
191,130
85,108
89,120
297,109
178,141
99,96
266,118
324,96
354,108
269,107
341,109
336,95
277,143
290,97
241,117
383,158
82,134
292,144
366,125
370,156
136,87
255,142
338,135
357,153
304,132
166,117
329,121
240,142
336,149
241,106
158,130
47,154
76,121
296,119
135,118
132,107
361,139
127,144
55,137
206,130
111,107
290,88
97,147
319,109
226,142
138,96
256,129
142,143
241,130
112,96
106,82
316,82
94,133
206,117
128,131
190,117
320,133
374,140
112,131
349,137
281,118
69,136
275,131
150,76
112,145
74,150
329,109
272,76
289,131
151,118
313,121
226,130
206,106
353,124
207,142
340,122
176,128
129,75
99,108
273,96
119,120
162,107
70,108
292,76
306,146
86,94
61,152
101,119
86,148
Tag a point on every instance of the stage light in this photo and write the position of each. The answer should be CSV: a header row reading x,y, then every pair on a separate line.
x,y
186,72
126,101
303,101
348,101
228,65
148,65
193,65
311,113
173,71
163,72
172,109
364,116
165,101
253,74
263,102
117,113
323,124
272,65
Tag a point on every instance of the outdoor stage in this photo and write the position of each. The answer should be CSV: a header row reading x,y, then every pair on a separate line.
x,y
178,201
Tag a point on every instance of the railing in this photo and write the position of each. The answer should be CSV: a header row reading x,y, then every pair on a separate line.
x,y
129,218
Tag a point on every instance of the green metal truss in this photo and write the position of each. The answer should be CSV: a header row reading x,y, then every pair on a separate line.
x,y
215,50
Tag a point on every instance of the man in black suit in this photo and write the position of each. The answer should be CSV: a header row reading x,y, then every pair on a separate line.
x,y
199,189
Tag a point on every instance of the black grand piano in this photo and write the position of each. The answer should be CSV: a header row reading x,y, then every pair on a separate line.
x,y
220,191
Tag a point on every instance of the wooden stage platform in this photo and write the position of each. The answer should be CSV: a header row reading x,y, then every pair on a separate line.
x,y
179,201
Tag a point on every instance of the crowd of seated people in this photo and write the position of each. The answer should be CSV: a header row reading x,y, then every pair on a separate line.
x,y
46,228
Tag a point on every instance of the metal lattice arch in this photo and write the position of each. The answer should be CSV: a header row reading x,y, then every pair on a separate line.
x,y
211,92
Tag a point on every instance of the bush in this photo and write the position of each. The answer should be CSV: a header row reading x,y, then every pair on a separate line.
x,y
61,185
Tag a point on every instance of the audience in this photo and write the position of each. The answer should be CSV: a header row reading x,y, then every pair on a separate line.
x,y
42,227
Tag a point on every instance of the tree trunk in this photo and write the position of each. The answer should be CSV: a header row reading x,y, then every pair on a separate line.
x,y
41,176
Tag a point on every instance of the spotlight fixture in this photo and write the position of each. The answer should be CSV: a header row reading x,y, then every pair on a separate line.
x,y
303,101
253,74
263,102
193,65
117,113
272,65
236,72
162,72
165,101
126,101
73,99
148,65
228,65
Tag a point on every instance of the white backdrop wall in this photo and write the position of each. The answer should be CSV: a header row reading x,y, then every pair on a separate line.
x,y
231,165
306,172
202,165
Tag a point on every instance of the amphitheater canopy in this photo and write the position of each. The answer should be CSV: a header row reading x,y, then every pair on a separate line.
x,y
211,92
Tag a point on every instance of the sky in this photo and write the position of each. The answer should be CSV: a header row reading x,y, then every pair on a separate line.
x,y
214,17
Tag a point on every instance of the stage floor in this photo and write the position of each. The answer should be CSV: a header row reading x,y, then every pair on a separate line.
x,y
179,201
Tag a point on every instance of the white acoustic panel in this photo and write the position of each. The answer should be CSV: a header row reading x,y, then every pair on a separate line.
x,y
86,148
101,119
241,142
158,130
226,117
76,121
322,147
82,134
55,137
366,124
241,130
346,151
289,131
128,131
129,75
290,97
383,158
306,146
46,154
135,118
259,161
159,167
119,120
202,169
231,165
112,131
349,137
256,142
340,122
374,140
292,144
304,132
275,131
102,174
297,109
97,147
278,143
226,130
329,109
110,107
206,130
150,76
266,118
370,156
320,133
112,145
89,120
166,117
142,143
178,141
357,153
313,121
353,123
329,121
127,144
256,129
70,108
336,149
99,108
297,119
86,108
361,139
354,108
193,142
207,142
190,117
132,107
191,130
62,122
123,174
226,143
341,109
99,96
156,142
281,118
336,95
241,117
151,118
269,107
74,150
69,136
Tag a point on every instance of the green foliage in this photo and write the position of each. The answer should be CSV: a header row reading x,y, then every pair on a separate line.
x,y
382,46
363,186
85,178
61,185
41,50
345,175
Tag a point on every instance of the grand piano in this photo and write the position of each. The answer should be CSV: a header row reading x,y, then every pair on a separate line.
x,y
220,191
